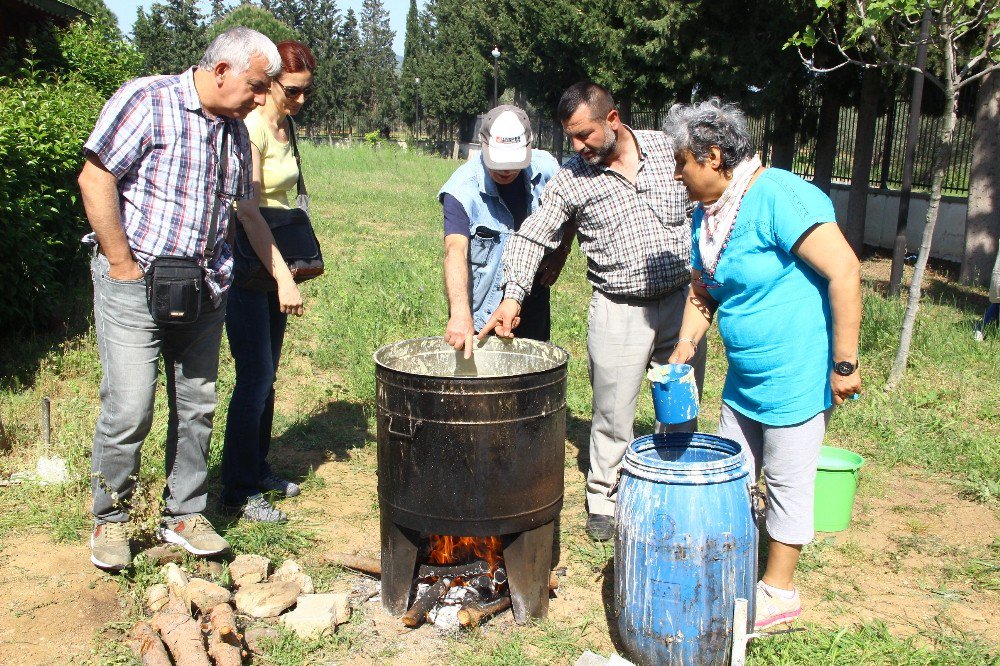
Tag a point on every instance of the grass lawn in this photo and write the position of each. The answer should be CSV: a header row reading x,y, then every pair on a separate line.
x,y
925,535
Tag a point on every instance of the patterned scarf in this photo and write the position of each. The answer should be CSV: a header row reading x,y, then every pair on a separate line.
x,y
717,223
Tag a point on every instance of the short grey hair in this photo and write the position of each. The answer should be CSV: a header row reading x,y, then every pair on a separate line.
x,y
698,127
237,46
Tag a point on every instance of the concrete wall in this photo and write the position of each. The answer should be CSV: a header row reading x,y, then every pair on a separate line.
x,y
883,208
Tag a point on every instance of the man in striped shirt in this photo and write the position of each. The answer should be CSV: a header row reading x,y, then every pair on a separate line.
x,y
166,160
633,227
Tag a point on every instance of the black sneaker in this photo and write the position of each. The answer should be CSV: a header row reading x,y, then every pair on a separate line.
x,y
272,483
600,527
258,510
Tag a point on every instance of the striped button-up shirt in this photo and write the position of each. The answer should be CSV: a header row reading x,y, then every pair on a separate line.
x,y
154,136
636,237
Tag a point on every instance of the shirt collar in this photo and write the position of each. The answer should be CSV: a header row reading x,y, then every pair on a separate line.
x,y
189,92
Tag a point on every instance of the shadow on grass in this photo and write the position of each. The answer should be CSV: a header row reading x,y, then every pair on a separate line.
x,y
578,434
610,613
23,345
330,434
969,300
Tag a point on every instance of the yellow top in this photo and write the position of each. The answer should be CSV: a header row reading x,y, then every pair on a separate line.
x,y
279,172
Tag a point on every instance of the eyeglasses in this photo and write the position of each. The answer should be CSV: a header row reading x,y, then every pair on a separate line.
x,y
294,91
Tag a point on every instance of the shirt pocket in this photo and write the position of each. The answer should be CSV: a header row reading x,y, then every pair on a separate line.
x,y
482,246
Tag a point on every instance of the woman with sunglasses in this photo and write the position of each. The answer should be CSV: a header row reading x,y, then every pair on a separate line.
x,y
769,260
255,320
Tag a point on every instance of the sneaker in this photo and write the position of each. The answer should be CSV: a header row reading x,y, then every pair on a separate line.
x,y
109,547
600,527
258,510
194,533
978,336
774,609
272,483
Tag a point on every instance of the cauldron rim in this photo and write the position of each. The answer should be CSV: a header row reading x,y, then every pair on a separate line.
x,y
561,363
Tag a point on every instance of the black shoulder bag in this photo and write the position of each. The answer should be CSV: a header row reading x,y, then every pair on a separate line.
x,y
174,284
293,235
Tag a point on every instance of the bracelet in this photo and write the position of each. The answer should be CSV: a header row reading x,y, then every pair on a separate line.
x,y
693,343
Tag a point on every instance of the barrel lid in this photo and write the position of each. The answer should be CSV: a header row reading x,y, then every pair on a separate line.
x,y
833,459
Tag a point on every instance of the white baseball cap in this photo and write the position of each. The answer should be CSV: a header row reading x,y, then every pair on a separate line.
x,y
505,138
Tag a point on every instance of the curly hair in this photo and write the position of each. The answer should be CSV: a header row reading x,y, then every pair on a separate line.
x,y
698,127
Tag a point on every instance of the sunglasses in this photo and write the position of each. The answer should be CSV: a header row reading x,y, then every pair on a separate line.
x,y
294,91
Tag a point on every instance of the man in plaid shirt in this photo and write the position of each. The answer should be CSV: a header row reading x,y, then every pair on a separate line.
x,y
152,183
632,224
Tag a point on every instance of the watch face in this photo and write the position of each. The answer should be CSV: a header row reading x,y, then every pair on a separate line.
x,y
844,368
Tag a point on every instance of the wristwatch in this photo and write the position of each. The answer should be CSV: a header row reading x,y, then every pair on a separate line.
x,y
845,368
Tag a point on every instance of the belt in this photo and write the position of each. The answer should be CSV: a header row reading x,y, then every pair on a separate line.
x,y
622,298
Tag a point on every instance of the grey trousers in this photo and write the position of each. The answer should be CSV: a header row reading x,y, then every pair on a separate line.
x,y
788,456
130,345
623,337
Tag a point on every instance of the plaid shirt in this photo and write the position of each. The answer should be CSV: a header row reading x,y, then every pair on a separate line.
x,y
637,238
156,139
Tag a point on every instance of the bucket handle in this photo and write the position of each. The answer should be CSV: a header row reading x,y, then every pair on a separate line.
x,y
414,427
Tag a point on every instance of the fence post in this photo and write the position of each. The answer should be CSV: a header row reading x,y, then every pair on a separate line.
x,y
887,146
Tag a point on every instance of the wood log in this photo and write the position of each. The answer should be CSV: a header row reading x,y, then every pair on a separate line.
x,y
424,602
464,571
473,611
182,635
147,646
223,640
367,565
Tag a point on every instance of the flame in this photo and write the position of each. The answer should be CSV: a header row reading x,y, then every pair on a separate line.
x,y
446,550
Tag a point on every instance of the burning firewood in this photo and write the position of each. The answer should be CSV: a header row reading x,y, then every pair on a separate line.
x,y
366,565
424,602
473,611
464,571
223,641
147,646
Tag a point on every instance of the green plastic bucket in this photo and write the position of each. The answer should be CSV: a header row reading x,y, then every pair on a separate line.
x,y
836,483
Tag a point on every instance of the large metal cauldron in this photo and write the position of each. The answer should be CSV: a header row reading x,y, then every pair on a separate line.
x,y
471,447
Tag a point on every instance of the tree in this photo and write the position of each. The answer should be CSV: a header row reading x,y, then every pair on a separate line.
x,y
319,24
964,42
413,55
982,228
172,36
348,57
255,18
101,15
377,67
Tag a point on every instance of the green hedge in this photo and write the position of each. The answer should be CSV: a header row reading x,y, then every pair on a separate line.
x,y
52,88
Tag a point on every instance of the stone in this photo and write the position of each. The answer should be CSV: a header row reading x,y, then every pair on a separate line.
x,y
249,569
314,616
291,572
164,554
255,637
266,599
589,658
342,607
205,595
174,576
157,597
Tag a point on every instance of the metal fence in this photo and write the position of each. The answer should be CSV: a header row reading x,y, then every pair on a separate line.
x,y
887,159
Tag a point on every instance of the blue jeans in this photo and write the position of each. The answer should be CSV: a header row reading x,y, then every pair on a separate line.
x,y
256,329
130,345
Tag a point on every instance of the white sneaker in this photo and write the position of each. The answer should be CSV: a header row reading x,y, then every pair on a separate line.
x,y
773,609
978,336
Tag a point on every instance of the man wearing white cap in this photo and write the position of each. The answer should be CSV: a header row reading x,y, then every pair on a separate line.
x,y
485,201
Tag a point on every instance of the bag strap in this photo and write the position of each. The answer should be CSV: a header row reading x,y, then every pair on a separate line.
x,y
301,185
223,164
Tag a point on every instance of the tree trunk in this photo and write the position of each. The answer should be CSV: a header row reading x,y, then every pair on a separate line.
x,y
826,136
783,140
982,226
864,148
941,161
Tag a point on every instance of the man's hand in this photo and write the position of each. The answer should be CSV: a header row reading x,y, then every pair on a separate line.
x,y
845,387
125,271
289,298
460,333
550,266
504,320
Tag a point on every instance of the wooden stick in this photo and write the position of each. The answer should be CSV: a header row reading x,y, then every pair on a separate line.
x,y
474,612
182,635
223,642
456,571
367,565
424,602
147,646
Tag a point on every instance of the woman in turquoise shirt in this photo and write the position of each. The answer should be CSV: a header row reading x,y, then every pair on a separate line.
x,y
769,261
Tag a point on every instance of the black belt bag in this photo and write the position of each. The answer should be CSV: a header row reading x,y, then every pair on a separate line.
x,y
295,239
173,289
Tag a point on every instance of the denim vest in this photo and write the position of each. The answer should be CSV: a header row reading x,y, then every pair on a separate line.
x,y
490,223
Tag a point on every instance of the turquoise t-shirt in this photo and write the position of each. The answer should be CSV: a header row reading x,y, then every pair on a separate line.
x,y
774,309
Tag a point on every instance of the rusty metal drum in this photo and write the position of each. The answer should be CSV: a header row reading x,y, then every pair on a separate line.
x,y
471,447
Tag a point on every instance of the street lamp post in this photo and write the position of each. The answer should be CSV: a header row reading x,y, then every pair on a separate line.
x,y
496,64
416,93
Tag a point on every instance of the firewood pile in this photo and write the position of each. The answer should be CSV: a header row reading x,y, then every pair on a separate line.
x,y
195,622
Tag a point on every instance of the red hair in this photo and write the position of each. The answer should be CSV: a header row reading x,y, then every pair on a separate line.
x,y
296,57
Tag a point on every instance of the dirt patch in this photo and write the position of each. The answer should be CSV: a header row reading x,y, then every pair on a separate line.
x,y
52,601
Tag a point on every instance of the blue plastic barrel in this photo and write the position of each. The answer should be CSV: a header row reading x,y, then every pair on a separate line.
x,y
685,547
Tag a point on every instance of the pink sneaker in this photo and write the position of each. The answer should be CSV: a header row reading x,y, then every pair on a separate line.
x,y
773,609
